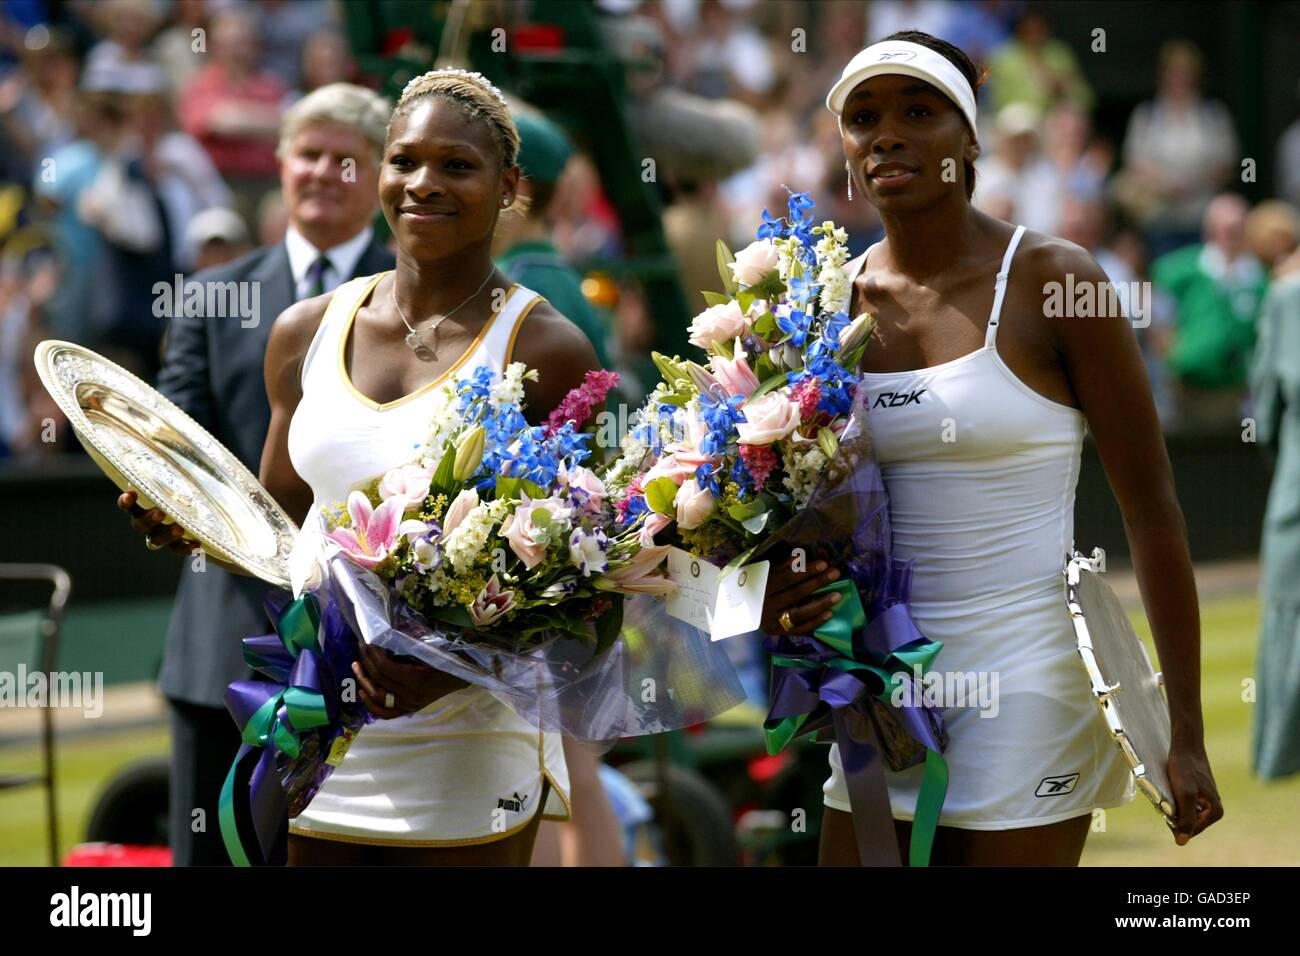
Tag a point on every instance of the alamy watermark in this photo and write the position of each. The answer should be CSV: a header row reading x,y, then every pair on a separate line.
x,y
225,300
944,689
1086,299
62,689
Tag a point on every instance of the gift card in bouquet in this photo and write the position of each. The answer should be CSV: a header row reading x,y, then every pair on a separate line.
x,y
723,603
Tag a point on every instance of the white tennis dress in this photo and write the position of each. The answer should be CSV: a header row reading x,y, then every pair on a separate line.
x,y
466,769
981,473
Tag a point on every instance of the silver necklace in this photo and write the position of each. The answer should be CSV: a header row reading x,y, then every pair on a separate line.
x,y
415,338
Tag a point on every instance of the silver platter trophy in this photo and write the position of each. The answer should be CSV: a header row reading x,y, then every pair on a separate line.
x,y
1125,685
143,441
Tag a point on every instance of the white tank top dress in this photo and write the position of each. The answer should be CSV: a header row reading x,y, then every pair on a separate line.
x,y
466,769
981,473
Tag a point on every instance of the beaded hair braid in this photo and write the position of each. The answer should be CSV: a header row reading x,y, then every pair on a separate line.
x,y
474,94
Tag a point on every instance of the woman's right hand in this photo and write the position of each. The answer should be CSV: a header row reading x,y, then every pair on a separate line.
x,y
157,534
788,589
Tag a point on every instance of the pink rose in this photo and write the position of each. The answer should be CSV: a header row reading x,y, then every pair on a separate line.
x,y
754,262
694,505
461,505
678,466
718,323
735,375
409,481
768,418
523,534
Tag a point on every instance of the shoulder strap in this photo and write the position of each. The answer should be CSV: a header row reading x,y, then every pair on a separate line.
x,y
344,297
990,335
499,344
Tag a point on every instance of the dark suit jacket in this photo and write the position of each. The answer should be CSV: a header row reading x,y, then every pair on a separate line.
x,y
213,370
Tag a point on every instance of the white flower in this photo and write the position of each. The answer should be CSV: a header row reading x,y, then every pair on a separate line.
x,y
835,289
510,389
427,553
803,470
465,544
754,262
587,551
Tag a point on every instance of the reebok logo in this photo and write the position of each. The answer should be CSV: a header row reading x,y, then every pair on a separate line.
x,y
1057,786
895,399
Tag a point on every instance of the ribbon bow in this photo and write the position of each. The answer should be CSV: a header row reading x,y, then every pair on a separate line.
x,y
280,717
827,679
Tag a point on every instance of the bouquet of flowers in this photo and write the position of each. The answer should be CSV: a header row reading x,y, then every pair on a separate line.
x,y
496,525
724,453
494,555
764,449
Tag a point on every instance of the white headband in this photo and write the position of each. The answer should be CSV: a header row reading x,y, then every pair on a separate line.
x,y
906,59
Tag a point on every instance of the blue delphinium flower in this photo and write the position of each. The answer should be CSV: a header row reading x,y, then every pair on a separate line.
x,y
477,387
795,325
720,414
771,228
741,476
803,289
706,477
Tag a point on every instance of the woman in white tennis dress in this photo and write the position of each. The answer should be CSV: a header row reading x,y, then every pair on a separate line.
x,y
465,769
448,774
979,449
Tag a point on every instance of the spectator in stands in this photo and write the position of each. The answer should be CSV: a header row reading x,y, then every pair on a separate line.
x,y
182,46
1017,179
181,170
217,236
1275,388
1179,151
1272,232
1037,69
232,106
38,105
1215,290
526,253
325,60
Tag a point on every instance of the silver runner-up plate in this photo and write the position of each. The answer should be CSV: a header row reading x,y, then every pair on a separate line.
x,y
144,442
1129,691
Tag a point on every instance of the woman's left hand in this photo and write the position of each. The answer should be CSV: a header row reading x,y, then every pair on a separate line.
x,y
413,684
1196,798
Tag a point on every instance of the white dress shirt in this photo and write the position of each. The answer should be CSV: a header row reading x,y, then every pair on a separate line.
x,y
343,259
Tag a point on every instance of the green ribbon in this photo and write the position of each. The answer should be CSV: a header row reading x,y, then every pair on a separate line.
x,y
847,618
297,627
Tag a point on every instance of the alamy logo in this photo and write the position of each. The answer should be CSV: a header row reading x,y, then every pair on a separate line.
x,y
1057,786
895,399
102,909
514,802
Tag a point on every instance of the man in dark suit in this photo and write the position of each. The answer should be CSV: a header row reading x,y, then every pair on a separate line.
x,y
330,149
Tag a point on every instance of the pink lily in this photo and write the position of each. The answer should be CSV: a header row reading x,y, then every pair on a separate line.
x,y
636,577
375,531
491,603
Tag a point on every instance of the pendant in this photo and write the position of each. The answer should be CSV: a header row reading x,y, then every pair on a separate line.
x,y
415,342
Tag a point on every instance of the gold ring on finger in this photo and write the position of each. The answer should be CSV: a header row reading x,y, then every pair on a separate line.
x,y
786,623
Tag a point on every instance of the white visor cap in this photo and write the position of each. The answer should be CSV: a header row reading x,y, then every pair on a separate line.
x,y
901,57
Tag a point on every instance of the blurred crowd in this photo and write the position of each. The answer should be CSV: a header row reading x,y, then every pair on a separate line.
x,y
138,140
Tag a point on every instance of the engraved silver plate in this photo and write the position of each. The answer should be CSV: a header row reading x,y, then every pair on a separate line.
x,y
1127,688
142,441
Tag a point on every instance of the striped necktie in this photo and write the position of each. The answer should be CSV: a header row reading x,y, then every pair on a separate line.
x,y
316,277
